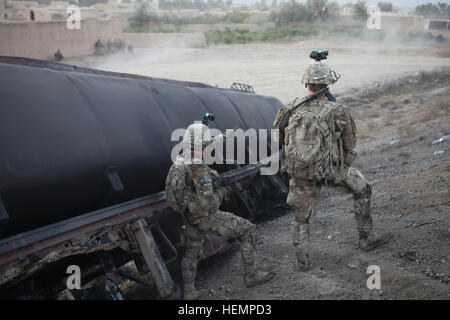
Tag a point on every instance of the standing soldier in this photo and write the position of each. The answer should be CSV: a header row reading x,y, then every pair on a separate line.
x,y
190,191
319,140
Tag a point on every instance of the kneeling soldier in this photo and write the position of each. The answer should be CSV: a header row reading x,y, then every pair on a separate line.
x,y
190,190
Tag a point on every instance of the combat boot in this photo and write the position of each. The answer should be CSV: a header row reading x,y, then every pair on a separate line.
x,y
369,240
254,277
190,293
302,255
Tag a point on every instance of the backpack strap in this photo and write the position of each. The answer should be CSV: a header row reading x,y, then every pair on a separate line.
x,y
190,181
285,120
341,152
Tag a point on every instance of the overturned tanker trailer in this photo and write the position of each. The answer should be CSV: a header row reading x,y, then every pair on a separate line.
x,y
83,161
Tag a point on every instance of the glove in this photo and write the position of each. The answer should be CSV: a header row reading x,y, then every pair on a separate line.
x,y
219,138
225,191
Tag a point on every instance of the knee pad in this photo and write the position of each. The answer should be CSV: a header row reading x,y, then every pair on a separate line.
x,y
248,237
355,181
366,193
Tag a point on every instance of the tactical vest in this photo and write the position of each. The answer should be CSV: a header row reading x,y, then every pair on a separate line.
x,y
176,186
181,194
312,145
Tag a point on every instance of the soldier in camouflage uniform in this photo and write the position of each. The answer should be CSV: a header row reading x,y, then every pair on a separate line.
x,y
319,143
199,202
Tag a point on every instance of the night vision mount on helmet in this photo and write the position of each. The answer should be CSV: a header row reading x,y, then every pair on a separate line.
x,y
318,55
319,72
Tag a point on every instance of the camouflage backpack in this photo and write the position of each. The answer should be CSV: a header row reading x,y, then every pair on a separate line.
x,y
309,139
176,185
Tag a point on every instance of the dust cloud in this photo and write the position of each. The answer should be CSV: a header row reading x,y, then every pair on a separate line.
x,y
275,69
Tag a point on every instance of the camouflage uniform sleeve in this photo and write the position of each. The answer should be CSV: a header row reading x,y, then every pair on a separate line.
x,y
347,127
208,200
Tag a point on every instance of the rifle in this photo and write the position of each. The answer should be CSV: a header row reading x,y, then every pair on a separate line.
x,y
229,177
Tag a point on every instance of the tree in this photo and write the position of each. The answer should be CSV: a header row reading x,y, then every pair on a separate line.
x,y
236,16
439,10
291,12
333,10
87,3
141,16
262,5
385,6
319,9
443,8
360,10
274,3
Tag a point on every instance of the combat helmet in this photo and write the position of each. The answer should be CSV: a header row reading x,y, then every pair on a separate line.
x,y
197,134
319,73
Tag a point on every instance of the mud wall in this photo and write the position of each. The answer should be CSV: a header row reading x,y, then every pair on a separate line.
x,y
402,22
41,40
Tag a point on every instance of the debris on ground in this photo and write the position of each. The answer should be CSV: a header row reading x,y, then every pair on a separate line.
x,y
447,137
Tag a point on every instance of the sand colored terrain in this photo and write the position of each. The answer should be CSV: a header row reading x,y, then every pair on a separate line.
x,y
410,179
275,68
395,92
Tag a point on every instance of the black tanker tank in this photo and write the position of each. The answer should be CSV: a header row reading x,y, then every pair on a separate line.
x,y
63,129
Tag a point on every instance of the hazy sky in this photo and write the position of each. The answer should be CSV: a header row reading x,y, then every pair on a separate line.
x,y
396,3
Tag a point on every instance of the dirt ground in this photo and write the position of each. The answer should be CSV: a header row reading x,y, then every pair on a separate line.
x,y
411,199
275,69
400,107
